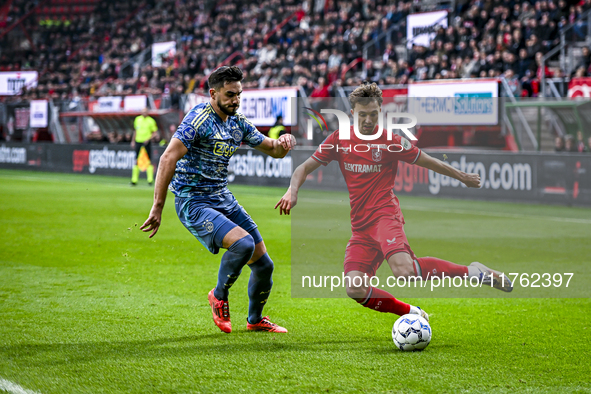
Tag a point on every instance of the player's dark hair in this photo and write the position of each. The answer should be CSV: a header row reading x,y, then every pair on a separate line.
x,y
224,75
365,94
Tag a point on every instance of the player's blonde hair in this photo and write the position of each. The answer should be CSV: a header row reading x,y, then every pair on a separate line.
x,y
366,93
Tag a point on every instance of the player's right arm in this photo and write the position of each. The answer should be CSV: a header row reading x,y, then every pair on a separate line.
x,y
166,167
323,155
434,164
290,198
190,131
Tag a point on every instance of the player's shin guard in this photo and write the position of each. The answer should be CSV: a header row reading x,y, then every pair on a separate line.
x,y
135,174
259,287
382,301
428,267
150,173
237,255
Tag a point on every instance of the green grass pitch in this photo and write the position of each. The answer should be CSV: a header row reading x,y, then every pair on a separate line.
x,y
88,304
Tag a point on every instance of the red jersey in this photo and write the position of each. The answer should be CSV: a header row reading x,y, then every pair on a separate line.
x,y
369,168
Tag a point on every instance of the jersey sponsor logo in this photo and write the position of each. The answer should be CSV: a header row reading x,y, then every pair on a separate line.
x,y
363,168
223,149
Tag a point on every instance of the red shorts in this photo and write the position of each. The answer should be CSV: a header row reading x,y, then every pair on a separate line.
x,y
368,248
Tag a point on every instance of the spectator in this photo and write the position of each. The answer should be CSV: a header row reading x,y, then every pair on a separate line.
x,y
88,55
569,144
580,145
558,144
321,90
513,82
524,65
585,61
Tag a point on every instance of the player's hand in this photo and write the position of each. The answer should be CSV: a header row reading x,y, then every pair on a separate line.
x,y
471,180
153,222
287,202
132,144
287,141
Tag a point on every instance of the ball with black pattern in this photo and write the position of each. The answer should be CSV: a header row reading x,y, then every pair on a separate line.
x,y
411,332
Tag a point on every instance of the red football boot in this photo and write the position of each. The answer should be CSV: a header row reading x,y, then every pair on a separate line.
x,y
221,312
265,325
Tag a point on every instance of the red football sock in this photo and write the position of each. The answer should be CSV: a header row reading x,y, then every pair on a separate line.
x,y
382,301
432,266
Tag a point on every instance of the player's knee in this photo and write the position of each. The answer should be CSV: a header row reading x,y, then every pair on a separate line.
x,y
260,251
263,266
244,246
401,265
356,292
403,270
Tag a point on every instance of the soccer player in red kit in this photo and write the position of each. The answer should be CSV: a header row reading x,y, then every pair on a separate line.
x,y
369,168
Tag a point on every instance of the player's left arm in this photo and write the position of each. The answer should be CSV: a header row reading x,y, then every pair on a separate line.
x,y
426,161
277,148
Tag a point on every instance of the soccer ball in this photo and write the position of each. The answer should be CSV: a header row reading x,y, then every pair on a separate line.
x,y
411,332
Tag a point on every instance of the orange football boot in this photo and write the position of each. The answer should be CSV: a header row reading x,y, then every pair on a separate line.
x,y
221,312
265,325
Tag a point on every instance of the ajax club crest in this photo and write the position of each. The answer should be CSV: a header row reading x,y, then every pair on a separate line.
x,y
208,226
237,135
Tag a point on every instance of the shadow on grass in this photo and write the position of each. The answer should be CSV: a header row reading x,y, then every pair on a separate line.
x,y
196,345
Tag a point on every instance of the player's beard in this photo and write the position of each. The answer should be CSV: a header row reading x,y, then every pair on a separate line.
x,y
227,109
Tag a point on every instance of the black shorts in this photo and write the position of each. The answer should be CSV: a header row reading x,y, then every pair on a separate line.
x,y
138,146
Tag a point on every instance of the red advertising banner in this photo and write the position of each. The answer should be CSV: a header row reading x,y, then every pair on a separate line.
x,y
395,100
579,87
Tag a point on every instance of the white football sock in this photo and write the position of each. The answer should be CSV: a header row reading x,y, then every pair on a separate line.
x,y
414,310
473,272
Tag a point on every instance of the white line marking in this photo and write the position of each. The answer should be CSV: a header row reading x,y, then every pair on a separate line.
x,y
14,388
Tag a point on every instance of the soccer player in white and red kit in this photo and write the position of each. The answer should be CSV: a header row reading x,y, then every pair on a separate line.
x,y
377,223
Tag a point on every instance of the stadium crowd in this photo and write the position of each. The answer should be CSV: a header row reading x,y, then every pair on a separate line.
x,y
88,55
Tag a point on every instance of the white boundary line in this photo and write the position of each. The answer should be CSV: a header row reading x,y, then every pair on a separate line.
x,y
14,388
